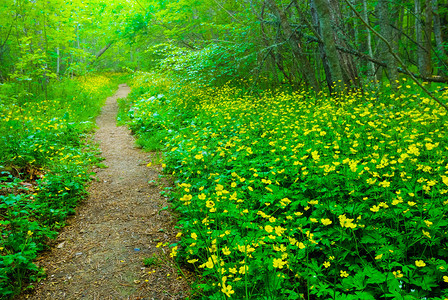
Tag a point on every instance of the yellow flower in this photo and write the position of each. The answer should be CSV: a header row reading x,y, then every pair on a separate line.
x,y
326,264
279,230
174,252
371,181
285,201
194,236
243,269
344,274
326,222
199,156
397,274
346,222
420,263
384,183
279,263
186,198
445,278
192,261
227,290
209,264
226,250
426,233
379,256
375,208
269,228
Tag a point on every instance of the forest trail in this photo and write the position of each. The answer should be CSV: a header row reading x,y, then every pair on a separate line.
x,y
99,255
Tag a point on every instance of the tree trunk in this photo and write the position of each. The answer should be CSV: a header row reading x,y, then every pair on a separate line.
x,y
348,66
58,61
423,38
322,52
101,52
324,14
427,72
294,42
438,36
275,57
388,14
371,66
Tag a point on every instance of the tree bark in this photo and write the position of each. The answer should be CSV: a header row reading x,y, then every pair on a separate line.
x,y
438,36
421,32
427,71
324,14
323,56
388,15
348,66
371,67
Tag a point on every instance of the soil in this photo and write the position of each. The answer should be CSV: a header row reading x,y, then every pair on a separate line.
x,y
100,254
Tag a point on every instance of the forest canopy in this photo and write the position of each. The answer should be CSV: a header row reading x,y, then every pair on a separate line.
x,y
322,44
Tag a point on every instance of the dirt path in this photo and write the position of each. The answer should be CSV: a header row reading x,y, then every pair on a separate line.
x,y
99,255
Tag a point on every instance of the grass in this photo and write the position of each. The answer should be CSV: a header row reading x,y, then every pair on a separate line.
x,y
151,261
298,196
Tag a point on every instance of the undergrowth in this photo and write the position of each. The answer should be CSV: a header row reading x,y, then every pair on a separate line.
x,y
44,166
297,196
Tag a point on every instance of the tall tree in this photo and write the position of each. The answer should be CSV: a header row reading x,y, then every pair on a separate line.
x,y
387,17
423,31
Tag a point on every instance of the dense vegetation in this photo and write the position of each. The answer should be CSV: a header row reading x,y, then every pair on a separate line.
x,y
44,165
307,139
291,195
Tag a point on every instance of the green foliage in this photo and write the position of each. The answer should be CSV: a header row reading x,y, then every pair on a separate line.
x,y
43,171
214,64
151,261
290,196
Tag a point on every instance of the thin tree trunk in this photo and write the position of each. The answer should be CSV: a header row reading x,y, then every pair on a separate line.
x,y
324,14
427,38
323,55
275,57
101,52
438,35
58,61
387,17
348,67
371,66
